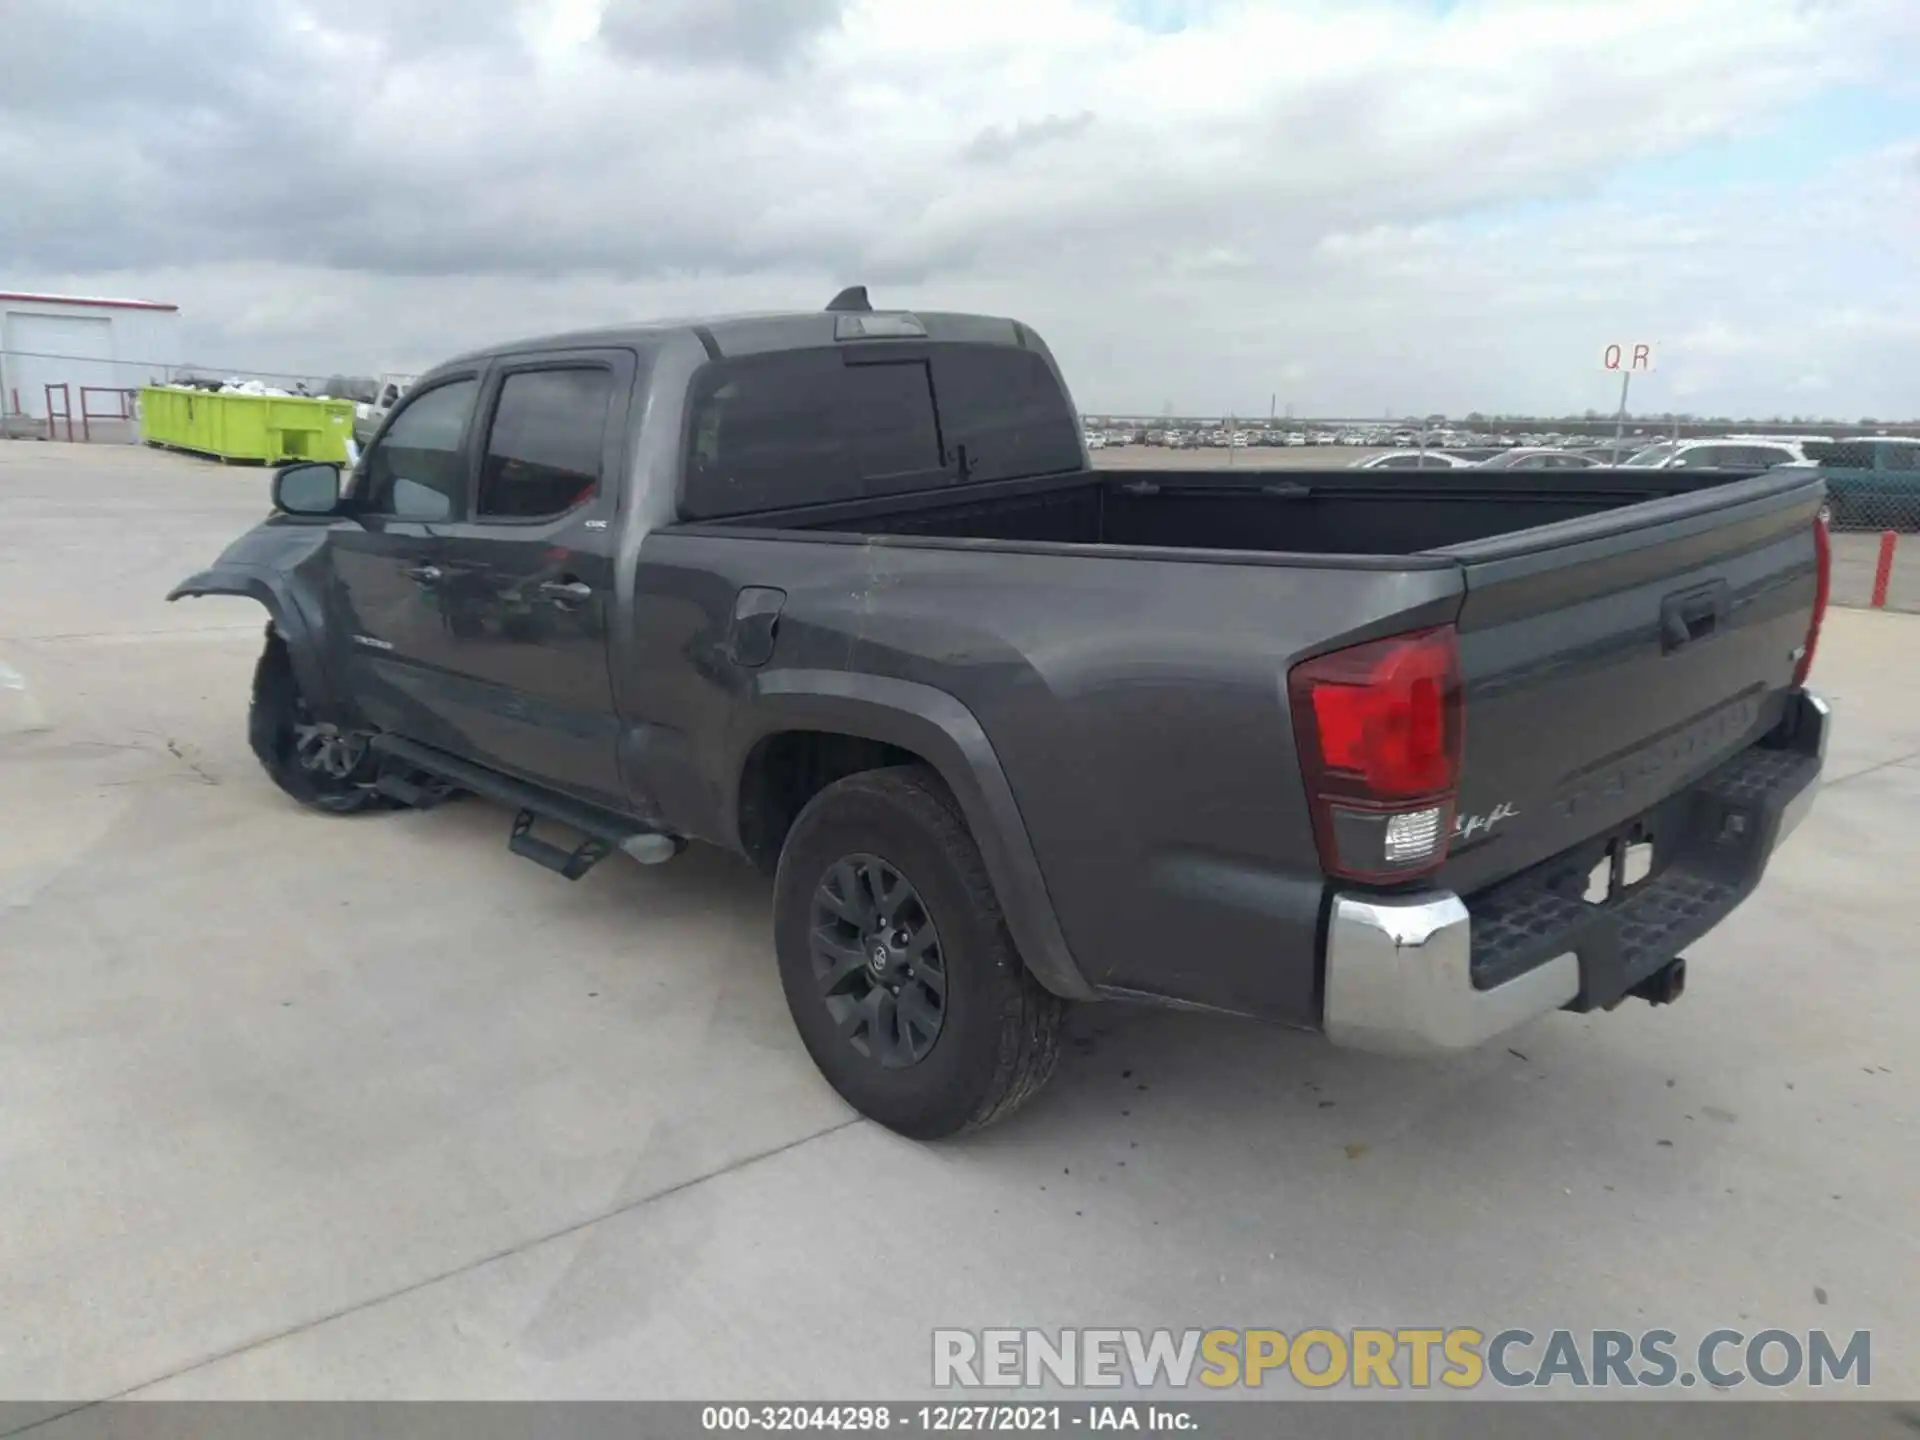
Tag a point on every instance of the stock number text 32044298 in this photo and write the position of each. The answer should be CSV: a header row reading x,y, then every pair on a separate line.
x,y
875,1419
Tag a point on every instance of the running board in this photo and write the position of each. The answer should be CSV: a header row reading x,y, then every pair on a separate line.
x,y
567,864
413,788
603,831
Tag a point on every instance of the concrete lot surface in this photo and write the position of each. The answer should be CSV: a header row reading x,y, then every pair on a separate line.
x,y
1856,558
299,1106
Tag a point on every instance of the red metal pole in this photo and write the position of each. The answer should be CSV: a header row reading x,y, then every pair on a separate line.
x,y
66,409
1883,573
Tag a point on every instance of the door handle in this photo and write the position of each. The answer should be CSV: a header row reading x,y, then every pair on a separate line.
x,y
566,592
425,574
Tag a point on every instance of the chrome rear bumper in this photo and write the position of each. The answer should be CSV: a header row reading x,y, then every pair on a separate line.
x,y
1399,968
1398,979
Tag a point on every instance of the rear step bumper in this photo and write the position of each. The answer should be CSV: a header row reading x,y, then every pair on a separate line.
x,y
1403,976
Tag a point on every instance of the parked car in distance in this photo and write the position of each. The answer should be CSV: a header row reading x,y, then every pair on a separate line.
x,y
1407,760
1723,452
1608,452
1873,481
1414,460
368,417
1540,459
360,389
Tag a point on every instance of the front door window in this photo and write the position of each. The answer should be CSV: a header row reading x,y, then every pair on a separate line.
x,y
413,471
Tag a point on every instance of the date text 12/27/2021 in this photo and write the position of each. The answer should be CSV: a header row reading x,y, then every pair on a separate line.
x,y
948,1418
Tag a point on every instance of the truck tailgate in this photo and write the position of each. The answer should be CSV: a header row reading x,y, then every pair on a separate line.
x,y
1609,661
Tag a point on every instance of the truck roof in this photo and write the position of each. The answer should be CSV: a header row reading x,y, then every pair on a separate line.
x,y
765,331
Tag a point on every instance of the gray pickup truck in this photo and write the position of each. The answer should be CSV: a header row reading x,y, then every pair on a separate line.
x,y
1406,758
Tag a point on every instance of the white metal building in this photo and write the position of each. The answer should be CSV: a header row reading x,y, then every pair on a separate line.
x,y
77,341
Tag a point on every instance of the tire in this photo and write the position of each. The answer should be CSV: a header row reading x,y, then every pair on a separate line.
x,y
272,730
997,1035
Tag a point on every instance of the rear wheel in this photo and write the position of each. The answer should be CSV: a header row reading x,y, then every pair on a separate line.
x,y
902,979
322,765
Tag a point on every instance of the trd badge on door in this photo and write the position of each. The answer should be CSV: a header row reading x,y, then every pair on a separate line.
x,y
372,643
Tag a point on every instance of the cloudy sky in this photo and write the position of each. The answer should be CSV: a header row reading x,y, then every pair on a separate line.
x,y
1359,206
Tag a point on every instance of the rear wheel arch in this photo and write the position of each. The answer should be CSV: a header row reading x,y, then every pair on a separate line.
x,y
786,769
810,731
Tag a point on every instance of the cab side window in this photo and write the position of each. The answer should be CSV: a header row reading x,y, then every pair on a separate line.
x,y
413,471
1008,411
764,432
545,447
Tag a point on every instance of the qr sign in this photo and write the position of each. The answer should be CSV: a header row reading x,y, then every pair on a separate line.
x,y
1632,359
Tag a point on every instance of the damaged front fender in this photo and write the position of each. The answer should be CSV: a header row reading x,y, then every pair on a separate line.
x,y
276,566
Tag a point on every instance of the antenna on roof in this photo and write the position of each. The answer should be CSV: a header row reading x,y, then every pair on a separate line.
x,y
852,300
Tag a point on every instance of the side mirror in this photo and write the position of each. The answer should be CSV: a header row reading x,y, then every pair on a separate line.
x,y
307,489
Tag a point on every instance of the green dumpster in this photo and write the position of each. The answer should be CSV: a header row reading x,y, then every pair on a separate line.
x,y
263,428
163,415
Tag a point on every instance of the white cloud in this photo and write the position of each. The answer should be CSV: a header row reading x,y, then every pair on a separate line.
x,y
1404,208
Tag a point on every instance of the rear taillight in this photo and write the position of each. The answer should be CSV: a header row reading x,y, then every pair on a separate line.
x,y
1822,585
1378,727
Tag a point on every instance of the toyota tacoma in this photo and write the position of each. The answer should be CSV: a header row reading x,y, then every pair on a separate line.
x,y
1404,758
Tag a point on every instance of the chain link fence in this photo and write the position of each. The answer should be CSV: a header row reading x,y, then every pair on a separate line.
x,y
96,399
1873,511
1871,484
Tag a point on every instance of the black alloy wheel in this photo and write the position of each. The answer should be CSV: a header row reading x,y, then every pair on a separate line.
x,y
899,969
327,753
324,766
877,958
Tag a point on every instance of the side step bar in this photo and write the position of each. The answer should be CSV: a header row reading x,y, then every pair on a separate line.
x,y
414,788
603,831
567,864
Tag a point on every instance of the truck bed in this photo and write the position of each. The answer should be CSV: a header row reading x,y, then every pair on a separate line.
x,y
1296,512
1621,634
